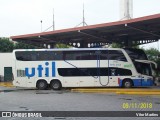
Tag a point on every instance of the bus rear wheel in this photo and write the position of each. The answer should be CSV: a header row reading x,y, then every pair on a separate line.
x,y
55,85
41,84
127,83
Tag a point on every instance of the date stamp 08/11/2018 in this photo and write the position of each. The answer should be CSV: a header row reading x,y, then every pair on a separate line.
x,y
142,105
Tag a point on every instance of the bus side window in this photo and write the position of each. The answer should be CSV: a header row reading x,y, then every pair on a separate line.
x,y
116,55
79,55
113,72
58,55
104,55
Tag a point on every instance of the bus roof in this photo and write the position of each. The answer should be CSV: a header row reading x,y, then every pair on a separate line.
x,y
68,49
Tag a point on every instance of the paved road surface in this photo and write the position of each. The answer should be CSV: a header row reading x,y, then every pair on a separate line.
x,y
12,99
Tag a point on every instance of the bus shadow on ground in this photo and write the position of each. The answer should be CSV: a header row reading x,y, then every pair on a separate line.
x,y
36,91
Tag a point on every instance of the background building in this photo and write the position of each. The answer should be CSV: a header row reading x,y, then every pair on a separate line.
x,y
6,67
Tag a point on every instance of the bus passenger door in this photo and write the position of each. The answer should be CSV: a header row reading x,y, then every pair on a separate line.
x,y
146,73
146,76
146,80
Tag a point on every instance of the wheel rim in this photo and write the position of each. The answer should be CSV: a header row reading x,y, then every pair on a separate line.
x,y
127,84
41,84
55,85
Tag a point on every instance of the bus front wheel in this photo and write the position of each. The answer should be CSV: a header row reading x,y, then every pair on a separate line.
x,y
41,84
55,85
127,83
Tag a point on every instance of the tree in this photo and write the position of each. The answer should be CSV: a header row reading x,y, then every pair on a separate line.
x,y
62,46
6,45
20,45
116,45
152,54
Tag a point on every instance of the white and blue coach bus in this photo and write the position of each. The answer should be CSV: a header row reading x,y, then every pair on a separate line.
x,y
93,67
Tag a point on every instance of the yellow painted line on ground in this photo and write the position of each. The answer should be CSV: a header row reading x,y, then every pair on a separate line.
x,y
132,91
6,84
139,93
117,90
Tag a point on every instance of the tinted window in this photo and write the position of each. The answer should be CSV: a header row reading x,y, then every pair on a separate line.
x,y
143,68
80,55
38,55
77,71
68,72
70,55
116,55
103,54
136,53
24,56
119,72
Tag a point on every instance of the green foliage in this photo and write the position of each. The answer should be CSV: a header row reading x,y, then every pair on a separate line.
x,y
152,54
116,45
24,46
6,45
62,46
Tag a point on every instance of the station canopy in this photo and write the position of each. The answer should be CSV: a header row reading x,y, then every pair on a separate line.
x,y
131,32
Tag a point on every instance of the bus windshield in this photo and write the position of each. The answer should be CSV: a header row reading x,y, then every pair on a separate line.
x,y
143,68
136,53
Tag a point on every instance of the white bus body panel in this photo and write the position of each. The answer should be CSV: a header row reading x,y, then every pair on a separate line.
x,y
75,81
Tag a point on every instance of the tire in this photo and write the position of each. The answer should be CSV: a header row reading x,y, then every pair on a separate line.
x,y
56,85
42,85
127,84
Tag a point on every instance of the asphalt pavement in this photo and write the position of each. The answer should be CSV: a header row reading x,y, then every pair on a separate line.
x,y
23,99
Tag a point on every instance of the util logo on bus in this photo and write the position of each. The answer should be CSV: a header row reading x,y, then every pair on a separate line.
x,y
40,70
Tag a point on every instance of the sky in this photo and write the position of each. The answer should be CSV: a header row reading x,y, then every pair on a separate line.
x,y
18,17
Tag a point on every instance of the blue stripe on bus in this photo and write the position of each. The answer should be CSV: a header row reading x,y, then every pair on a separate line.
x,y
139,82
